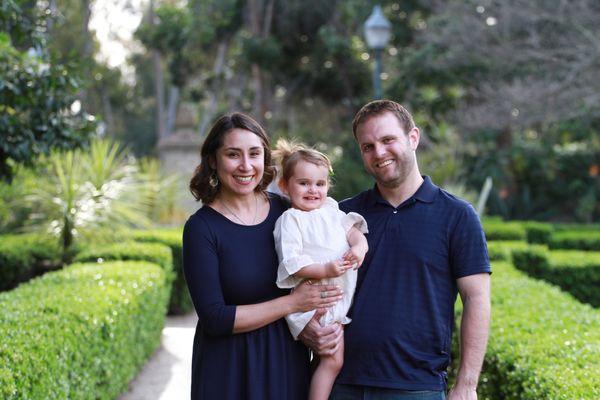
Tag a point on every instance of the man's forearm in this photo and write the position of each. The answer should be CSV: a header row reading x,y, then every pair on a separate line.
x,y
473,338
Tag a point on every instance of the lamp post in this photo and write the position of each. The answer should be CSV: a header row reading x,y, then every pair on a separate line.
x,y
377,34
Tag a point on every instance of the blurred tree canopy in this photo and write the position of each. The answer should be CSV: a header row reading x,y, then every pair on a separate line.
x,y
530,113
526,63
506,89
37,94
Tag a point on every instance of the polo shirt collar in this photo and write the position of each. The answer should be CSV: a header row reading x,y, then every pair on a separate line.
x,y
425,193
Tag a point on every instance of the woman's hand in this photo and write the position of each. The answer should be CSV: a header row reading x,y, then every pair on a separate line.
x,y
336,268
307,297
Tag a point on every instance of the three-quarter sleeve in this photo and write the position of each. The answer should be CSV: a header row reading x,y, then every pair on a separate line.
x,y
288,244
201,269
354,219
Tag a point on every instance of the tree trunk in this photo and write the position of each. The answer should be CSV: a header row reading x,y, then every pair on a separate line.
x,y
210,109
50,19
87,44
258,106
172,109
159,86
159,89
108,114
260,18
235,91
87,14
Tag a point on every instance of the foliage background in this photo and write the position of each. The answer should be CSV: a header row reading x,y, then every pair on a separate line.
x,y
505,89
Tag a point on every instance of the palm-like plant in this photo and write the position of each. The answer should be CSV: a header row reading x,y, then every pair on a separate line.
x,y
81,192
161,190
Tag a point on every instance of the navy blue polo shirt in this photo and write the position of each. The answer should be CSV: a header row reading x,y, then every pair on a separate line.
x,y
403,310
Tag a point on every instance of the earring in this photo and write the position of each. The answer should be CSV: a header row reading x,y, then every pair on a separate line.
x,y
214,180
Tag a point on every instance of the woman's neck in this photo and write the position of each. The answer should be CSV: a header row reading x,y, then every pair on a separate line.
x,y
238,202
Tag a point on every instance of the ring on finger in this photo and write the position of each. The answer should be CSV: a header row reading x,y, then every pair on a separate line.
x,y
323,295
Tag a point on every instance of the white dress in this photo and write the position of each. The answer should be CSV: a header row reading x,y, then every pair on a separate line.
x,y
318,236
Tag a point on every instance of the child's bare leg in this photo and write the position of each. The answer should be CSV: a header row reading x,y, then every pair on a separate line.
x,y
324,376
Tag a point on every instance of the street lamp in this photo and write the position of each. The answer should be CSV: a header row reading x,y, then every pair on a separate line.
x,y
377,33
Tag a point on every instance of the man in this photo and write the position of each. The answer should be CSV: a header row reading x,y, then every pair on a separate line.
x,y
425,246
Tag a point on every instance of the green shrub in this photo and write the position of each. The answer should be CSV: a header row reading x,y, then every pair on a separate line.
x,y
543,343
538,232
578,240
500,250
180,302
152,252
24,256
82,332
577,227
533,259
495,230
491,219
576,272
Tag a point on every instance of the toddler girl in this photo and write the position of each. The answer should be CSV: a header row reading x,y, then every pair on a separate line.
x,y
317,241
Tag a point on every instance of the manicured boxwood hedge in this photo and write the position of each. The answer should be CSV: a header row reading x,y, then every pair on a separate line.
x,y
500,230
577,227
180,302
82,332
543,343
500,250
24,256
538,232
579,240
576,272
152,252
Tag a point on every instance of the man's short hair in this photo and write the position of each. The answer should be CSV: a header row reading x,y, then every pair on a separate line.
x,y
379,107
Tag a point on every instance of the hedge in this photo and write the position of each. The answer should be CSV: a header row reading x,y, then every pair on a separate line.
x,y
576,272
543,343
24,256
180,302
82,332
152,252
578,240
499,230
577,227
500,250
538,232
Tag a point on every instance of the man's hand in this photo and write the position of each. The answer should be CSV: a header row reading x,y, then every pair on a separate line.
x,y
323,340
459,392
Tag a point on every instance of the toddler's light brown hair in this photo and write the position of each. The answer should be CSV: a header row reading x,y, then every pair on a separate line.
x,y
288,153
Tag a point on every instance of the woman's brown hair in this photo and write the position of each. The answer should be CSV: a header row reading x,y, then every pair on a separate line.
x,y
199,185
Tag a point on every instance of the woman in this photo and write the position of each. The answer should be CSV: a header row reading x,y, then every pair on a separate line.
x,y
242,347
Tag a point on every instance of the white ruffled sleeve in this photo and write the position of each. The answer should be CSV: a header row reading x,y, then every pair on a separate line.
x,y
354,219
288,243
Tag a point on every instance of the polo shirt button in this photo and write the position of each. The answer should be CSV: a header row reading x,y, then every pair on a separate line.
x,y
395,211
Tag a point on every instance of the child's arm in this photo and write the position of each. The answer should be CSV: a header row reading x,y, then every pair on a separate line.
x,y
294,265
358,247
330,269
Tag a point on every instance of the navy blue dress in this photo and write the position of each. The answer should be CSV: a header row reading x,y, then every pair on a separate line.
x,y
227,264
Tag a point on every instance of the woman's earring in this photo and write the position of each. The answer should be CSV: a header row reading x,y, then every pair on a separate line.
x,y
214,180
